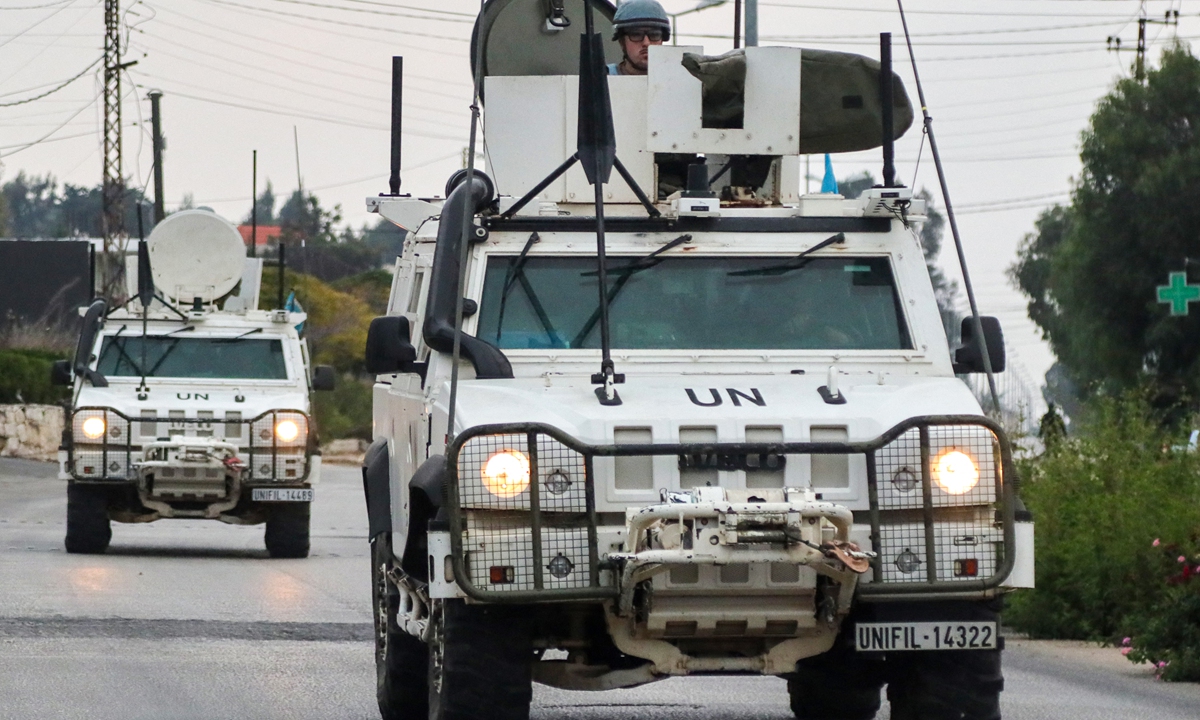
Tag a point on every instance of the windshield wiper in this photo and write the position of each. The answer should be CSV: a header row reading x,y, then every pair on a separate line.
x,y
255,331
166,353
516,274
795,263
626,272
119,344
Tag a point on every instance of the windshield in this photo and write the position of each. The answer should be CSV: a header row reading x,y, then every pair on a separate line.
x,y
695,303
192,357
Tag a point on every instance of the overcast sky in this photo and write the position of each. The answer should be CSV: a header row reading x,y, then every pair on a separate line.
x,y
1010,83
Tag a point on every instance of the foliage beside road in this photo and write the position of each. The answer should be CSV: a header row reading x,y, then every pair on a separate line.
x,y
338,318
1091,268
1108,502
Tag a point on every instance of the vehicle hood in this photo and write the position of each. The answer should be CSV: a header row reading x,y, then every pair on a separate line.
x,y
195,397
730,403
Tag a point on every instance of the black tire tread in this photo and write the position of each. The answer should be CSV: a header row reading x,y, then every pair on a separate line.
x,y
89,529
837,685
287,533
401,674
948,685
487,668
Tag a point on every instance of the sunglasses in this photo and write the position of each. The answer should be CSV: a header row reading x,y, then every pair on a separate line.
x,y
640,35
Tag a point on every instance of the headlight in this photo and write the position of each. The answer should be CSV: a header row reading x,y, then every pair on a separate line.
x,y
506,474
955,472
93,428
287,430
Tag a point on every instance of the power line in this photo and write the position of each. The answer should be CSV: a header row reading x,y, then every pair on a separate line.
x,y
306,50
337,22
46,138
57,88
455,18
268,71
889,11
39,22
37,7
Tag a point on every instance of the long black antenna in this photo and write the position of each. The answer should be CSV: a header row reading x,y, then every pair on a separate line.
x,y
597,151
958,246
468,214
145,295
886,101
397,121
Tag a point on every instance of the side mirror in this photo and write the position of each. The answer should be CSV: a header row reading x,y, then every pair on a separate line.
x,y
324,378
60,373
968,359
93,320
389,346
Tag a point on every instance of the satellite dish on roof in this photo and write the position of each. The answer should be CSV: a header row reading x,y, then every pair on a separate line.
x,y
518,38
196,254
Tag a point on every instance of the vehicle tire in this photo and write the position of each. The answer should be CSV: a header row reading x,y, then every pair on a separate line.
x,y
89,529
947,685
480,663
401,660
287,530
837,685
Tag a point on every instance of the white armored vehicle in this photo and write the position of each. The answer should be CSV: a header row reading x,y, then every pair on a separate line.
x,y
686,422
189,401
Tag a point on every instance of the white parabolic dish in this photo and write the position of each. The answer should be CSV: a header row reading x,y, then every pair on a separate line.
x,y
196,254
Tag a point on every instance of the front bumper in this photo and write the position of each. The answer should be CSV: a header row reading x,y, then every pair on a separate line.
x,y
921,535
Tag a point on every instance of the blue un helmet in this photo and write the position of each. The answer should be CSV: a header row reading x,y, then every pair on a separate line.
x,y
641,14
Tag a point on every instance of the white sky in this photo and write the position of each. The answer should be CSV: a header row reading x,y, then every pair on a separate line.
x,y
1010,84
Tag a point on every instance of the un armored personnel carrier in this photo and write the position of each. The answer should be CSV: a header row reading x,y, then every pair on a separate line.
x,y
189,401
681,419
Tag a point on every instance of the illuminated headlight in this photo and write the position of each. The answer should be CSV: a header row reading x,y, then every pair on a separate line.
x,y
955,472
93,428
287,430
506,474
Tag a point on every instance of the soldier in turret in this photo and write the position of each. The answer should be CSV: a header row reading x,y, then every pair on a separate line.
x,y
638,24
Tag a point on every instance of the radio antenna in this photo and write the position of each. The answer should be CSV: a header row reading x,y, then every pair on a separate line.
x,y
958,246
468,213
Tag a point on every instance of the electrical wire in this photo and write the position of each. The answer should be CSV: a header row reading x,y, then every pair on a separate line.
x,y
285,76
326,6
343,23
308,51
55,89
39,22
976,13
46,138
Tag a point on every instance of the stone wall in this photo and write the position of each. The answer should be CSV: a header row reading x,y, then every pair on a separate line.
x,y
31,431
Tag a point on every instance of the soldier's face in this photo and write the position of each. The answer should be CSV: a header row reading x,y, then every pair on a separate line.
x,y
636,44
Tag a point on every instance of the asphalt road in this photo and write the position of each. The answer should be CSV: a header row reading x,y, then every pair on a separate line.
x,y
186,620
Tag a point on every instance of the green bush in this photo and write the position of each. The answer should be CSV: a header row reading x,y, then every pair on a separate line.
x,y
1100,500
1168,634
25,377
346,411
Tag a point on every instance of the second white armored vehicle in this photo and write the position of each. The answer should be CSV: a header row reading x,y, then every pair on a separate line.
x,y
189,401
775,471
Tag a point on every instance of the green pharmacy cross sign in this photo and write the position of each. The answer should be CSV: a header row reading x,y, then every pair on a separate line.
x,y
1178,293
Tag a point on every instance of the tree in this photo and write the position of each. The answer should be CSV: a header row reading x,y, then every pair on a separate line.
x,y
1090,269
264,208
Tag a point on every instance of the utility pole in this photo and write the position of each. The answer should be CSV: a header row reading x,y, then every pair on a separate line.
x,y
112,191
1170,17
751,23
160,210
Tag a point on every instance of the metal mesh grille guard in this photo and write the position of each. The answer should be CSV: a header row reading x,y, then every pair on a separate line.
x,y
540,537
111,458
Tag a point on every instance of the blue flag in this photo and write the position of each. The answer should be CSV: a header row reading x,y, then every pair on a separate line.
x,y
293,305
829,184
